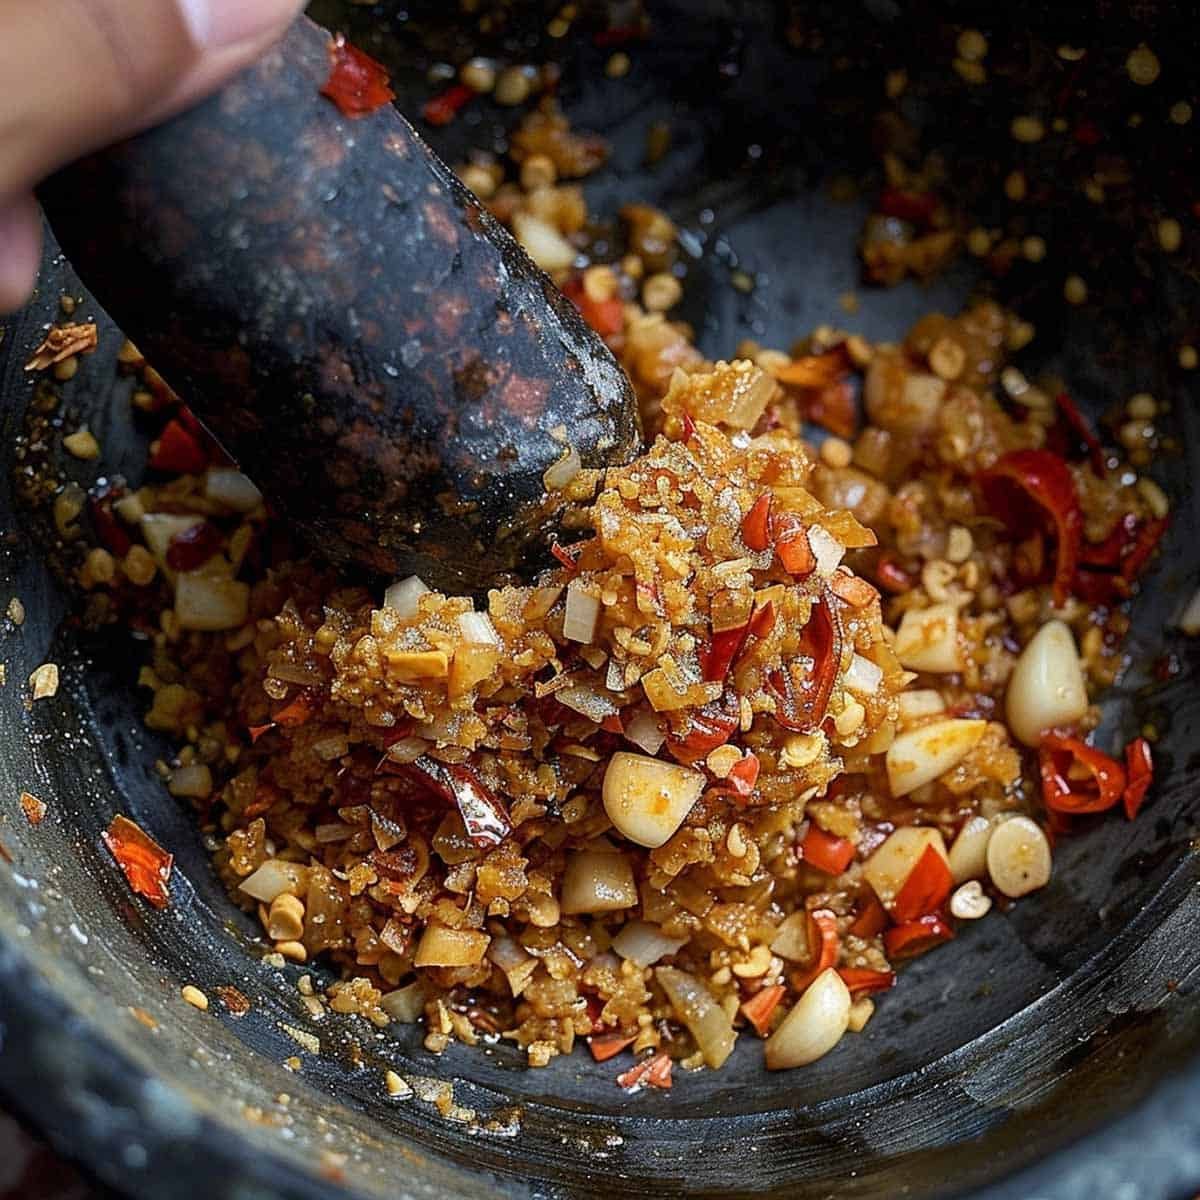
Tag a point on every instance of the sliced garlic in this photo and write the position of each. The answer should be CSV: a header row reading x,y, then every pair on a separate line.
x,y
968,855
1018,857
927,639
647,799
920,702
814,1026
1046,688
921,755
969,902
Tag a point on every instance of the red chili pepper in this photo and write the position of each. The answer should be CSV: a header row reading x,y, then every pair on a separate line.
x,y
722,650
606,317
441,109
824,944
484,815
1083,430
146,865
856,592
654,1072
179,450
1025,480
861,981
1108,569
763,620
192,548
612,723
916,937
917,208
689,425
803,709
1139,770
758,1009
1065,795
711,726
825,851
256,731
792,546
296,711
109,530
756,524
892,576
872,918
357,84
608,1045
831,407
926,888
743,775
564,556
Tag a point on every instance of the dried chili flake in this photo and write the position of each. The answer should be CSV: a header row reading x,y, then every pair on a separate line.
x,y
357,84
192,548
759,1008
569,561
792,545
743,775
178,450
1082,428
256,731
861,981
825,851
445,106
650,1072
801,706
608,1045
146,865
824,944
856,592
484,816
296,711
710,727
756,524
33,808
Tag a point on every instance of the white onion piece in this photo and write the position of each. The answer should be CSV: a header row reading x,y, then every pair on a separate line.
x,y
927,639
791,939
477,628
695,1007
211,604
405,1004
228,486
194,780
589,701
582,613
560,474
1018,857
827,550
863,676
597,881
407,749
645,732
814,1026
274,878
892,862
645,944
159,528
968,855
920,702
1046,687
921,755
543,243
646,799
404,596
511,957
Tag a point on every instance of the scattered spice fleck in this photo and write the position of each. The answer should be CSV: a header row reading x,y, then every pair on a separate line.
x,y
143,1017
235,1001
194,996
396,1086
302,1037
33,808
44,681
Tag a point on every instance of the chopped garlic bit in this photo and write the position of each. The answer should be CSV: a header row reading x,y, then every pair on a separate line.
x,y
44,681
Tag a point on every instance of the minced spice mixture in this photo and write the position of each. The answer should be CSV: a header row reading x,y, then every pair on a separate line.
x,y
808,690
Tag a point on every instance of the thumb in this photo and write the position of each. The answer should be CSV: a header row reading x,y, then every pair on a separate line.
x,y
79,74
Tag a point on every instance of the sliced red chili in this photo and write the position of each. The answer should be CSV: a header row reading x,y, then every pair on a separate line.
x,y
871,918
484,815
1139,771
357,84
763,620
856,592
756,524
801,708
296,711
825,851
1027,488
916,937
725,646
792,545
1063,794
824,944
563,554
109,530
710,727
743,775
861,981
1082,428
608,1045
179,450
193,547
146,865
760,1007
1108,569
256,731
441,109
653,1072
926,888
606,317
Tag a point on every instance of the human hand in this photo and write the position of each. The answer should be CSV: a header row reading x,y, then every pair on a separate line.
x,y
79,74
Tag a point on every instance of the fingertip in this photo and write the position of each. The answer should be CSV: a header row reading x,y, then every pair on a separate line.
x,y
20,250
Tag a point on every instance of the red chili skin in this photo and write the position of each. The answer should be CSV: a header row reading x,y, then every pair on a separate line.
x,y
756,524
606,1045
758,1009
916,937
711,726
110,532
179,450
742,776
193,547
832,407
357,84
722,650
821,641
1108,569
1061,794
862,981
791,544
145,864
564,556
917,208
891,576
926,888
1139,770
825,851
825,943
872,918
763,620
1082,428
1040,480
606,317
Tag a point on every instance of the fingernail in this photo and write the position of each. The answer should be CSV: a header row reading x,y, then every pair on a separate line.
x,y
215,24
